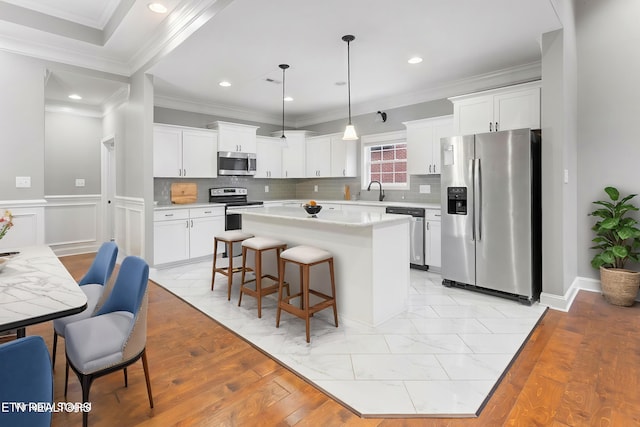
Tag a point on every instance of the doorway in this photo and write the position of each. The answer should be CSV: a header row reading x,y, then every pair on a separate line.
x,y
108,187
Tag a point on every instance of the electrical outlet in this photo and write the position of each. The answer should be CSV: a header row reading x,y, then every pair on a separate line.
x,y
315,188
23,182
425,189
79,182
266,188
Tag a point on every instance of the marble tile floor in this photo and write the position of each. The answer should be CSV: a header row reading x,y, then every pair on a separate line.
x,y
442,357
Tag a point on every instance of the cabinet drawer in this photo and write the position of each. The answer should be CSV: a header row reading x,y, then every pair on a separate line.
x,y
206,212
170,214
432,215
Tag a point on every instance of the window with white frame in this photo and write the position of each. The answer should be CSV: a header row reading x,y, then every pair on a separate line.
x,y
385,160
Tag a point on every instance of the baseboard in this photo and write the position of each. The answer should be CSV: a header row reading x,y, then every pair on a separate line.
x,y
563,302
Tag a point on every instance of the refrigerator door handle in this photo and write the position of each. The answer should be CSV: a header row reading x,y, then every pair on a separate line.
x,y
478,191
472,174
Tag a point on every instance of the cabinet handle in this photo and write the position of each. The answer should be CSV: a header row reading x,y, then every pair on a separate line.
x,y
207,212
168,214
179,172
185,172
344,172
496,126
191,223
429,168
427,226
434,169
187,221
490,127
437,215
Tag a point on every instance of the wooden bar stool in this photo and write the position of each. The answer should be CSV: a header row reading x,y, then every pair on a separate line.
x,y
260,245
229,237
306,257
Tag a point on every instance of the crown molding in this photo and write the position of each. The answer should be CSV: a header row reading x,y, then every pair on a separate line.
x,y
219,110
116,99
76,110
185,20
504,77
63,55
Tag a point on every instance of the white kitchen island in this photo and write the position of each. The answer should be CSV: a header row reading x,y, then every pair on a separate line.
x,y
370,251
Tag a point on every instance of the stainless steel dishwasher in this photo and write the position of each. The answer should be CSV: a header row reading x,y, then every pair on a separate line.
x,y
416,232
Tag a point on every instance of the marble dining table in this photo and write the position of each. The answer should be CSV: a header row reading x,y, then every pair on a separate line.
x,y
36,287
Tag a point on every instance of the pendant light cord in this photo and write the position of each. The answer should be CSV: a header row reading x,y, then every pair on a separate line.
x,y
349,77
283,67
283,103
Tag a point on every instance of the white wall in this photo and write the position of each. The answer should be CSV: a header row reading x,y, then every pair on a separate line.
x,y
21,126
559,106
134,171
72,151
608,36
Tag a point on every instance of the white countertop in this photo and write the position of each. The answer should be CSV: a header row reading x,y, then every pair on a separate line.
x,y
335,217
162,207
303,201
384,203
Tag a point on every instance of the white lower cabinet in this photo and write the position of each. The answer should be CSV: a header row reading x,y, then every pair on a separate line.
x,y
182,234
432,238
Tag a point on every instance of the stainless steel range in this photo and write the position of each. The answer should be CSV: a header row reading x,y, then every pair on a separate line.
x,y
234,198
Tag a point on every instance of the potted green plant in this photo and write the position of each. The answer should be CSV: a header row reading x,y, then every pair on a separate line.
x,y
617,241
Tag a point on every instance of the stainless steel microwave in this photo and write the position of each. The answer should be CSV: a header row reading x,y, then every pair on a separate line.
x,y
232,163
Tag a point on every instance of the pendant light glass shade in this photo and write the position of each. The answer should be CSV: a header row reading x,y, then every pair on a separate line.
x,y
350,131
283,138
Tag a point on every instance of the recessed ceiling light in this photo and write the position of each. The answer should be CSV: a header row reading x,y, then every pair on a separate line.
x,y
75,96
341,83
415,60
157,7
224,83
288,98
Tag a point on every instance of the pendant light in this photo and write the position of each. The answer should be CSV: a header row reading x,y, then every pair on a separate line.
x,y
350,130
283,138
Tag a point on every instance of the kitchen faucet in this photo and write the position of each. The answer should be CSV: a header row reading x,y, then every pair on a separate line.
x,y
381,196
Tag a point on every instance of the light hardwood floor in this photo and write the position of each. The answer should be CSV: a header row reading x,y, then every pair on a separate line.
x,y
578,368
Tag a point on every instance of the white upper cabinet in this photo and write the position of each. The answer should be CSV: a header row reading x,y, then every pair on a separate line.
x,y
344,157
236,137
318,162
330,156
512,107
294,153
268,157
199,153
180,152
423,144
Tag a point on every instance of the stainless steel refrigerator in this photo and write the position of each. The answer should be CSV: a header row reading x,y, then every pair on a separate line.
x,y
491,213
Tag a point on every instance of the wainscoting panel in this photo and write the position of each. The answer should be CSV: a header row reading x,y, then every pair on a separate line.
x,y
73,223
28,223
130,225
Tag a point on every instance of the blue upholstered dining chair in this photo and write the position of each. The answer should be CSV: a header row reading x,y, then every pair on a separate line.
x,y
116,336
93,285
25,377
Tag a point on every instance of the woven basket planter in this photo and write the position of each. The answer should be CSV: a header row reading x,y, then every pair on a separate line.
x,y
619,286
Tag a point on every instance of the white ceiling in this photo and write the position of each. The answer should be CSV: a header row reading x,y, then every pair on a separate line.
x,y
201,42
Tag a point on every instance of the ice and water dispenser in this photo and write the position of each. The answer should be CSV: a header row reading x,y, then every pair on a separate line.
x,y
457,200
